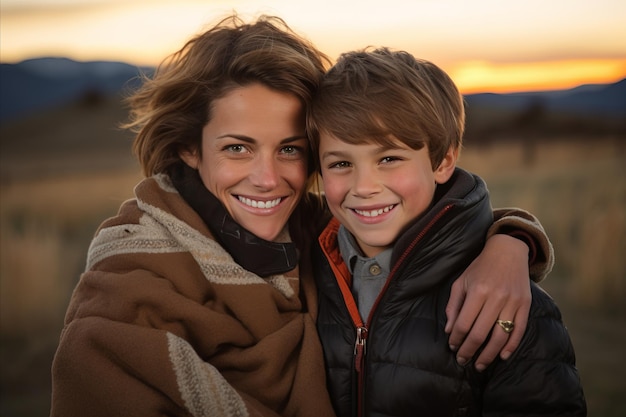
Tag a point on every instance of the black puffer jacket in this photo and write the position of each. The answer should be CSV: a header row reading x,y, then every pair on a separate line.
x,y
406,366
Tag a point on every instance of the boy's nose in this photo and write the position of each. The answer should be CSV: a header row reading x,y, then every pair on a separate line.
x,y
366,183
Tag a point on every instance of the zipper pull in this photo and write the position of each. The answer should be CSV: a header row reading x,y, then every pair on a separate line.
x,y
359,348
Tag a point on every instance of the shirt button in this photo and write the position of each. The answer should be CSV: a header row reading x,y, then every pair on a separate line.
x,y
375,269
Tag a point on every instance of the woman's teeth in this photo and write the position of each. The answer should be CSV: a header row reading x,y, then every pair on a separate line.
x,y
259,204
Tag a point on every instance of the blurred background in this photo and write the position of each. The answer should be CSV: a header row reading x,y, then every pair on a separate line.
x,y
545,86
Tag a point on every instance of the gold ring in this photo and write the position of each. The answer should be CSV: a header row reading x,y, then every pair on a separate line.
x,y
507,325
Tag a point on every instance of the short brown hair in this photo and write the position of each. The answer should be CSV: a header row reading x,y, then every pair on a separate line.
x,y
376,95
170,109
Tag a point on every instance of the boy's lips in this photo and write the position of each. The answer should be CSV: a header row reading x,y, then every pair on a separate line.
x,y
374,212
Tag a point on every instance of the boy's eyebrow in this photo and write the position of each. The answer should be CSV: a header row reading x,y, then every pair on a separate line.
x,y
343,154
249,139
338,154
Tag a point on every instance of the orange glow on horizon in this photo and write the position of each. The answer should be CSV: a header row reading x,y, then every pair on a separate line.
x,y
146,32
480,77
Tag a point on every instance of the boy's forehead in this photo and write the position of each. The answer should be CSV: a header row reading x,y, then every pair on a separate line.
x,y
384,143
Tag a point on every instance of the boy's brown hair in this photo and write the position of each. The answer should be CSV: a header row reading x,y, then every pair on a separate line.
x,y
380,95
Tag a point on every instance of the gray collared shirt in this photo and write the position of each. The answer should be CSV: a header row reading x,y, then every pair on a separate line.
x,y
368,274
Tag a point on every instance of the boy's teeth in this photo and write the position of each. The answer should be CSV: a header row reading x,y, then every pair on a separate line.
x,y
373,213
259,204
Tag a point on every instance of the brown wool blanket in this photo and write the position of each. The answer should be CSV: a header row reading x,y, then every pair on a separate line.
x,y
164,323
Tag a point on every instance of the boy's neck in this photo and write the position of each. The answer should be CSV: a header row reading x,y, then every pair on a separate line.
x,y
350,251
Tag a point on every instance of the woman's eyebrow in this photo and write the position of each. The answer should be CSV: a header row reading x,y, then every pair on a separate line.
x,y
294,138
243,138
248,139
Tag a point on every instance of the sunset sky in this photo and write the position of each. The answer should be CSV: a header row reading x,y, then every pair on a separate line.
x,y
485,45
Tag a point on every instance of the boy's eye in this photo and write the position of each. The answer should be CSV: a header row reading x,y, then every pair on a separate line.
x,y
339,165
389,159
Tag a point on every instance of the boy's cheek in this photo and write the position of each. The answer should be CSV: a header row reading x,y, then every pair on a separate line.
x,y
332,191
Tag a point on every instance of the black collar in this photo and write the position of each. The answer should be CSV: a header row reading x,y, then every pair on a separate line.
x,y
257,255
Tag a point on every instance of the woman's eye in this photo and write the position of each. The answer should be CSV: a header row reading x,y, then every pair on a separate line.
x,y
235,148
291,150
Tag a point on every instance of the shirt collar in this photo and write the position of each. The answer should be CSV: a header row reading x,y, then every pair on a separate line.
x,y
351,253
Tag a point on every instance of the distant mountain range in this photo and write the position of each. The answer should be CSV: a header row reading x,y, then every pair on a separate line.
x,y
42,83
589,99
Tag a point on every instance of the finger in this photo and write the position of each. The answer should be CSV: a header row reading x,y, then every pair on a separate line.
x,y
480,331
473,303
455,302
463,324
497,340
515,337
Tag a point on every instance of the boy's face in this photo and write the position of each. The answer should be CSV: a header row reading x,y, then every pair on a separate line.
x,y
376,191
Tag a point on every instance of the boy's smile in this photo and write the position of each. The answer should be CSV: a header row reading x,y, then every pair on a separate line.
x,y
377,191
376,213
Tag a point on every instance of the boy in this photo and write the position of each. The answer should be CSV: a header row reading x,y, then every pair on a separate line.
x,y
388,129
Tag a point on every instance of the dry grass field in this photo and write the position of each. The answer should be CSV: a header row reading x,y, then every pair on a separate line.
x,y
577,188
53,197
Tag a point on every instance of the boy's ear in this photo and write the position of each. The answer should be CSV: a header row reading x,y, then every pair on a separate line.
x,y
190,158
446,168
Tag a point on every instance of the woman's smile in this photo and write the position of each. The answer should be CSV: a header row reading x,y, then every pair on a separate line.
x,y
259,203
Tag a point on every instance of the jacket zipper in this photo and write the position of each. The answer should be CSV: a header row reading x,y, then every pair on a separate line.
x,y
342,279
362,331
360,347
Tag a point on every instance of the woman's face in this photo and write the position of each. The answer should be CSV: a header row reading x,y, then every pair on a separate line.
x,y
254,157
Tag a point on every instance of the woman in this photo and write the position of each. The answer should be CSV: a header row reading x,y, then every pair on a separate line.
x,y
198,297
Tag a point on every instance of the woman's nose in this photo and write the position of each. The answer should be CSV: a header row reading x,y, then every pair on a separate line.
x,y
265,174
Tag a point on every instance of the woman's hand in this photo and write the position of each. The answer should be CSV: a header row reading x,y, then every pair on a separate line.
x,y
496,286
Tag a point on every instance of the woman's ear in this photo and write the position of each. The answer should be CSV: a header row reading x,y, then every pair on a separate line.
x,y
190,158
446,168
